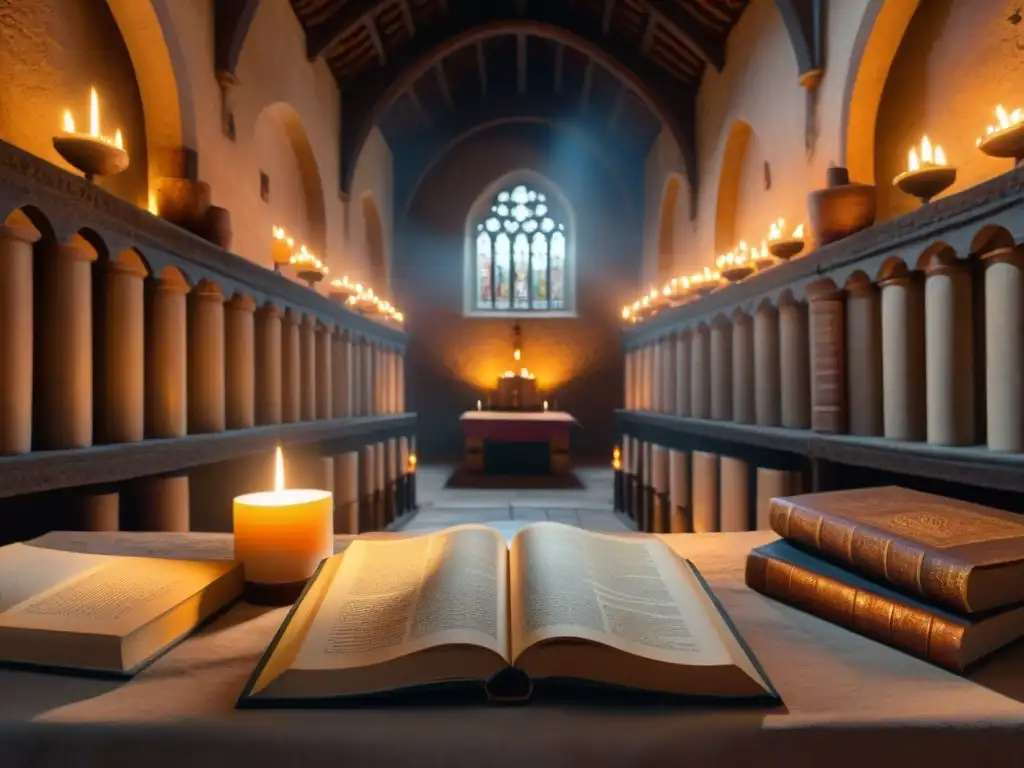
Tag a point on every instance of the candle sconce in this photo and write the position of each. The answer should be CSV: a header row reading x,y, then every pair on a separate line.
x,y
735,265
308,267
928,175
762,258
281,249
1005,140
785,248
703,283
91,153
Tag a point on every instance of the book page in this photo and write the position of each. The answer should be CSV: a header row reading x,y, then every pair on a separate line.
x,y
391,598
626,592
26,571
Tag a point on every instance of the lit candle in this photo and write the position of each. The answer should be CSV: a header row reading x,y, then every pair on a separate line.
x,y
281,536
479,405
616,459
545,405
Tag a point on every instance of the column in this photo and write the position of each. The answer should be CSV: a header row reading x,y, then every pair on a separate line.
x,y
367,477
63,380
379,381
307,363
657,379
634,482
949,354
120,350
794,371
645,377
346,492
704,479
1004,350
668,374
767,382
324,364
678,493
240,362
291,368
390,480
206,411
734,494
645,512
341,376
98,511
268,365
828,361
17,236
411,502
700,373
742,369
721,370
367,382
379,485
683,374
659,522
356,375
903,391
392,365
401,381
864,355
403,475
627,394
162,503
772,484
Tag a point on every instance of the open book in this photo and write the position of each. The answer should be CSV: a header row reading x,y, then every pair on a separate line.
x,y
458,607
103,613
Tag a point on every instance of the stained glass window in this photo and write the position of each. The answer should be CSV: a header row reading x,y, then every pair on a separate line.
x,y
521,253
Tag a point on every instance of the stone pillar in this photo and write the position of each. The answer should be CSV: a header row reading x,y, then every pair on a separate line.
x,y
206,412
390,480
346,492
163,503
794,372
166,350
657,376
734,494
767,381
120,358
864,356
356,375
949,354
669,392
240,362
63,381
704,489
324,372
683,374
828,361
403,476
680,520
17,236
903,391
771,484
401,381
1004,350
380,383
367,383
307,362
627,394
648,394
99,511
411,500
341,375
659,521
743,369
291,368
646,510
721,370
379,486
268,365
700,373
627,475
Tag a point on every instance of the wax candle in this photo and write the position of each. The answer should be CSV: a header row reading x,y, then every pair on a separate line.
x,y
281,536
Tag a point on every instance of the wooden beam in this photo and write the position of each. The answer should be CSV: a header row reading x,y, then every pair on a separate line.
x,y
231,21
649,29
378,44
559,66
521,63
805,23
338,26
410,24
481,66
606,16
681,22
588,81
442,82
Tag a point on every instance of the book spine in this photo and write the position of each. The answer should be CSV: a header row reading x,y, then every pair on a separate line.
x,y
901,626
897,562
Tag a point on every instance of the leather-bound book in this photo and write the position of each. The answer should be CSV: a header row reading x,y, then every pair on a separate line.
x,y
797,578
964,556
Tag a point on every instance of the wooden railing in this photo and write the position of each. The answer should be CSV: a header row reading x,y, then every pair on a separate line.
x,y
896,353
147,375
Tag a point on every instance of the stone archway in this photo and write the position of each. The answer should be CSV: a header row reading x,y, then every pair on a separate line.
x,y
667,236
729,177
376,250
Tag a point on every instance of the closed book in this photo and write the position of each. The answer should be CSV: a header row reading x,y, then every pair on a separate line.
x,y
955,642
952,553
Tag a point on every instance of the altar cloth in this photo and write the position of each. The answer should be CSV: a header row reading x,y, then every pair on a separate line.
x,y
848,701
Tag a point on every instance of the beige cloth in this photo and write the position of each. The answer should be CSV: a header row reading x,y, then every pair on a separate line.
x,y
848,701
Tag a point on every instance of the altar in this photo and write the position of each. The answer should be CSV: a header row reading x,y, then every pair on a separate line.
x,y
535,440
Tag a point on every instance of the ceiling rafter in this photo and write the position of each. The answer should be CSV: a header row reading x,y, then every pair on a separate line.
x,y
378,44
231,22
338,26
680,21
407,19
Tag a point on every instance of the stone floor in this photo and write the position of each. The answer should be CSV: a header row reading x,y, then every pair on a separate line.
x,y
509,510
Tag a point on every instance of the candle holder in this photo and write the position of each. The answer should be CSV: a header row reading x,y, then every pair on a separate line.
x,y
342,290
282,248
925,183
1007,143
91,155
762,258
785,249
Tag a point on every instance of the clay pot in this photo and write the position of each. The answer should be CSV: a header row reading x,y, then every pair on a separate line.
x,y
183,202
216,227
841,208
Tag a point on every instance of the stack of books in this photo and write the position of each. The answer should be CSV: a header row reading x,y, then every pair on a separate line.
x,y
938,578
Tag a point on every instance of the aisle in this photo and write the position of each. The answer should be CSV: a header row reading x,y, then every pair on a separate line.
x,y
589,507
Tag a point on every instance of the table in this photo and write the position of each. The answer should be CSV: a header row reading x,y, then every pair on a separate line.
x,y
511,427
848,701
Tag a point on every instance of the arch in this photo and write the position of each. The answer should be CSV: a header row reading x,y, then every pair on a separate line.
x,y
479,209
376,250
991,237
667,245
733,154
878,38
858,280
893,268
161,72
935,255
132,260
174,277
287,118
29,217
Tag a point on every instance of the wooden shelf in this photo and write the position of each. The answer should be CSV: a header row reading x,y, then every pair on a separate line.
x,y
776,446
51,470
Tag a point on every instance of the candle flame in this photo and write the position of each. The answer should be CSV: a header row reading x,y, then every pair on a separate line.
x,y
930,156
912,161
69,122
517,354
798,233
278,470
775,230
94,114
153,207
118,139
625,313
545,405
412,461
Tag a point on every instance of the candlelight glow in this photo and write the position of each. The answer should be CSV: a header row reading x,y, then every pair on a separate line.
x,y
69,122
479,405
1006,121
625,313
412,461
152,204
545,405
775,230
94,113
930,156
798,233
94,123
616,459
517,354
278,470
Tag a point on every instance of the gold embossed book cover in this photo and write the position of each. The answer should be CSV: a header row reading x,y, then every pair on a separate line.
x,y
961,555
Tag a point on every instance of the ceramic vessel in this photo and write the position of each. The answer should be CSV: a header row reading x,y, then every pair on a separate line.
x,y
842,208
926,183
91,156
217,227
1008,143
183,202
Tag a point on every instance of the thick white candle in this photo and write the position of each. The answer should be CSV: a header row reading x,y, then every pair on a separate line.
x,y
282,535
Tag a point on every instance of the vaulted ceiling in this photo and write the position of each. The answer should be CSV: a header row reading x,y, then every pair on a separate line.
x,y
428,72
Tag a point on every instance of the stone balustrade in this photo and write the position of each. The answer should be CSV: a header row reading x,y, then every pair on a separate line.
x,y
145,373
899,349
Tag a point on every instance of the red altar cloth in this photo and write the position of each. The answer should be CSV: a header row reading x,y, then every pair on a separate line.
x,y
516,426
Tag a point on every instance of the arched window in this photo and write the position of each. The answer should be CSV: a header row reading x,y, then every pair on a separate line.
x,y
520,255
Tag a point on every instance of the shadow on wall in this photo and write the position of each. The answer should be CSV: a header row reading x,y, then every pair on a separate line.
x,y
452,359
